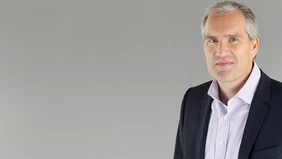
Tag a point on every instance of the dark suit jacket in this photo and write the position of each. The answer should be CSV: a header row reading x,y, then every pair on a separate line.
x,y
262,138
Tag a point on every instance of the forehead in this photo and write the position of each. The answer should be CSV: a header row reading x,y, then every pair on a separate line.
x,y
229,22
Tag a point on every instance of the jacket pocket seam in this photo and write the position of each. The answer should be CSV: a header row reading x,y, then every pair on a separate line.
x,y
266,153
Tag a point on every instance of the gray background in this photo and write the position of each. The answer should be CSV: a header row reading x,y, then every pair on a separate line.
x,y
104,79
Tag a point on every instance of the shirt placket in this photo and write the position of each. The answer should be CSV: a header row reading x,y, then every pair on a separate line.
x,y
222,137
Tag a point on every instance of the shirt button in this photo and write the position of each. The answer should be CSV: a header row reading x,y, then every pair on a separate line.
x,y
221,141
225,118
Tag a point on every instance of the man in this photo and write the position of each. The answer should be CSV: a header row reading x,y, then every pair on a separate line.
x,y
238,115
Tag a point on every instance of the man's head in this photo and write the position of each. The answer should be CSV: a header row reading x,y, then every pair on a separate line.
x,y
230,41
229,6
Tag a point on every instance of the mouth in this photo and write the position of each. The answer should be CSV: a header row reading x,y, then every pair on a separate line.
x,y
223,63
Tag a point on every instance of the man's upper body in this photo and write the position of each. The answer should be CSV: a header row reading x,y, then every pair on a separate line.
x,y
262,135
237,114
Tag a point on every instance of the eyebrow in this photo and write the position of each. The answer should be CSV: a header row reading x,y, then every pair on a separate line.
x,y
234,35
226,36
210,37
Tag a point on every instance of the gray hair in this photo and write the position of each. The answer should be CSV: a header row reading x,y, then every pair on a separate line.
x,y
229,6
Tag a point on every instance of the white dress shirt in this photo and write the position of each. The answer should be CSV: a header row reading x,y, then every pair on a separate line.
x,y
227,122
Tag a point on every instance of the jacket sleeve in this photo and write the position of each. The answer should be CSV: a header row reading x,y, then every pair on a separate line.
x,y
178,151
179,146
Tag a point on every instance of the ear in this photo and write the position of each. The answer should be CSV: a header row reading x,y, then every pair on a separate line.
x,y
255,45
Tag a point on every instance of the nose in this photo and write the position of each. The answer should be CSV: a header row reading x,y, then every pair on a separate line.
x,y
222,49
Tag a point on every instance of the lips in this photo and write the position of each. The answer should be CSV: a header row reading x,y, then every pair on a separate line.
x,y
223,63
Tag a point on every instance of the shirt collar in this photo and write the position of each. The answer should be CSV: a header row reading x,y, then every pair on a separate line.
x,y
246,93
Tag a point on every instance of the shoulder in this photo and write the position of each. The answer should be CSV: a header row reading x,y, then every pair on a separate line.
x,y
276,83
271,87
198,92
190,103
276,88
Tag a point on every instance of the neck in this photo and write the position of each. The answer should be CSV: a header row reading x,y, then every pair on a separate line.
x,y
228,89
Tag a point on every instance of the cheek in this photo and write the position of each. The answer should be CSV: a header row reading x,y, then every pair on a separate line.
x,y
208,52
209,56
207,48
242,55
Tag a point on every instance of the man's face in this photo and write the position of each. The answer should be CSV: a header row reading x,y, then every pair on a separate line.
x,y
228,48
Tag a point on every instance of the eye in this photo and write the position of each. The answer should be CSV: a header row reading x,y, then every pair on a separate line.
x,y
212,41
233,39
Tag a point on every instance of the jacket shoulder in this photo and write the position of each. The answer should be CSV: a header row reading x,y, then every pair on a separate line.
x,y
193,97
198,92
276,88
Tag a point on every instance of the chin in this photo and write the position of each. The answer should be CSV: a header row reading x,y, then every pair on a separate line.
x,y
223,78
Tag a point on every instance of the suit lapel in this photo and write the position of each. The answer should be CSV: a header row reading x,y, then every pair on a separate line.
x,y
254,122
202,126
257,114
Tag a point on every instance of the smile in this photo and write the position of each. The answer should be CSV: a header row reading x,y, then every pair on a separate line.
x,y
224,63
